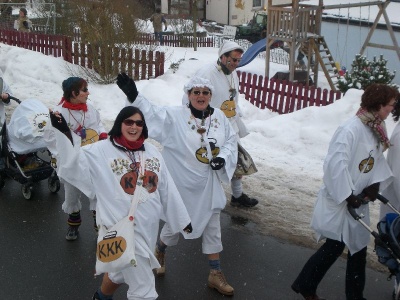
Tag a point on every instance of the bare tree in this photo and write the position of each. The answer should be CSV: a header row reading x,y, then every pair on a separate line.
x,y
104,27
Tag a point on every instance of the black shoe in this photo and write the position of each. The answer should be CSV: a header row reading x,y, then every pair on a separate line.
x,y
73,233
244,200
295,288
96,296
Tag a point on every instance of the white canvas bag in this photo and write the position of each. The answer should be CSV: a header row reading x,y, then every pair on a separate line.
x,y
116,245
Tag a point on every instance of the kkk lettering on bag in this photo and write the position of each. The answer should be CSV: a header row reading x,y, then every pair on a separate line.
x,y
111,247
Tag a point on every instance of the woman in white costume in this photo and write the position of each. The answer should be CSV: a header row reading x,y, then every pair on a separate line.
x,y
83,119
110,170
354,165
392,191
200,150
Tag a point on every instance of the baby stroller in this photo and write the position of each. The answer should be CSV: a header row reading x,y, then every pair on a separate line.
x,y
23,153
387,240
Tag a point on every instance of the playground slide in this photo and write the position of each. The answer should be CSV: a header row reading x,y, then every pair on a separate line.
x,y
252,52
256,48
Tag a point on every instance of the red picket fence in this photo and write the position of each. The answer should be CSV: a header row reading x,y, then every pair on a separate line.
x,y
282,96
55,45
138,64
276,95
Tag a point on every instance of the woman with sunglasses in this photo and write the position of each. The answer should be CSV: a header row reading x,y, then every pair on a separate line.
x,y
84,120
222,74
199,148
111,170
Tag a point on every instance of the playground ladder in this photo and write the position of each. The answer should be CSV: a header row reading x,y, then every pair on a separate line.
x,y
324,57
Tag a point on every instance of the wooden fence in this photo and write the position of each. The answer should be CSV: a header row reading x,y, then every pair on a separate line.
x,y
279,96
282,96
55,45
175,40
138,64
171,40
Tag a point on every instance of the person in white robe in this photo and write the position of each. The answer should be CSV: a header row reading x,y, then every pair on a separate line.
x,y
200,150
392,189
110,170
353,170
222,74
84,120
5,93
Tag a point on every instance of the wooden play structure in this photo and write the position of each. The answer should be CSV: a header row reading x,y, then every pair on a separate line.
x,y
300,25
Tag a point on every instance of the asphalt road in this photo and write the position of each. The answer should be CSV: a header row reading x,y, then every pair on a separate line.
x,y
36,262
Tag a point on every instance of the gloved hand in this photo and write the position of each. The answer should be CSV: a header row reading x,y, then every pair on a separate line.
x,y
354,201
58,122
7,99
128,86
188,229
372,191
217,163
26,25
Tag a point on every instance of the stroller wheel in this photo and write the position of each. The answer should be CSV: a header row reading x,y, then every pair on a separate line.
x,y
54,184
27,191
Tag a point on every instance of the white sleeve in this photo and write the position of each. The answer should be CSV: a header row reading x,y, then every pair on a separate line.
x,y
72,165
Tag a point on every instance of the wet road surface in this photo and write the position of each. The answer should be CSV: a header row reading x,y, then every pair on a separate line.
x,y
36,262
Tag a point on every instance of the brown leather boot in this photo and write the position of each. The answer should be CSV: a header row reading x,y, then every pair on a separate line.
x,y
216,280
161,260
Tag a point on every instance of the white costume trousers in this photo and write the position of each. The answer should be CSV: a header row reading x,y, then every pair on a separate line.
x,y
211,236
140,280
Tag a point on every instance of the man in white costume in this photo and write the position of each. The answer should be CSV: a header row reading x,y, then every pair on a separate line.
x,y
223,76
353,169
5,92
200,150
110,170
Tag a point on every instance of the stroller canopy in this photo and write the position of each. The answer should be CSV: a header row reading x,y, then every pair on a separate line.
x,y
26,127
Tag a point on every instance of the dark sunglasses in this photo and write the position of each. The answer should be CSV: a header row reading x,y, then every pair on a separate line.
x,y
235,60
84,90
129,122
205,93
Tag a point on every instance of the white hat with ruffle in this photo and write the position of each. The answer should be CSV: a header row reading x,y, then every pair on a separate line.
x,y
198,82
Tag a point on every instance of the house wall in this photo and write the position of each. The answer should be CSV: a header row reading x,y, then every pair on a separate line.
x,y
164,6
235,12
230,12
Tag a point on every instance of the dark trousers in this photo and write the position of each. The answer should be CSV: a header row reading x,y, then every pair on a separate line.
x,y
320,262
159,36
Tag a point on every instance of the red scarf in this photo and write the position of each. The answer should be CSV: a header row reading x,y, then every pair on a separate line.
x,y
130,145
72,106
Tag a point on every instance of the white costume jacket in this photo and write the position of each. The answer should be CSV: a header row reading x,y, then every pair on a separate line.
x,y
7,90
221,96
354,161
188,161
104,171
392,190
77,119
